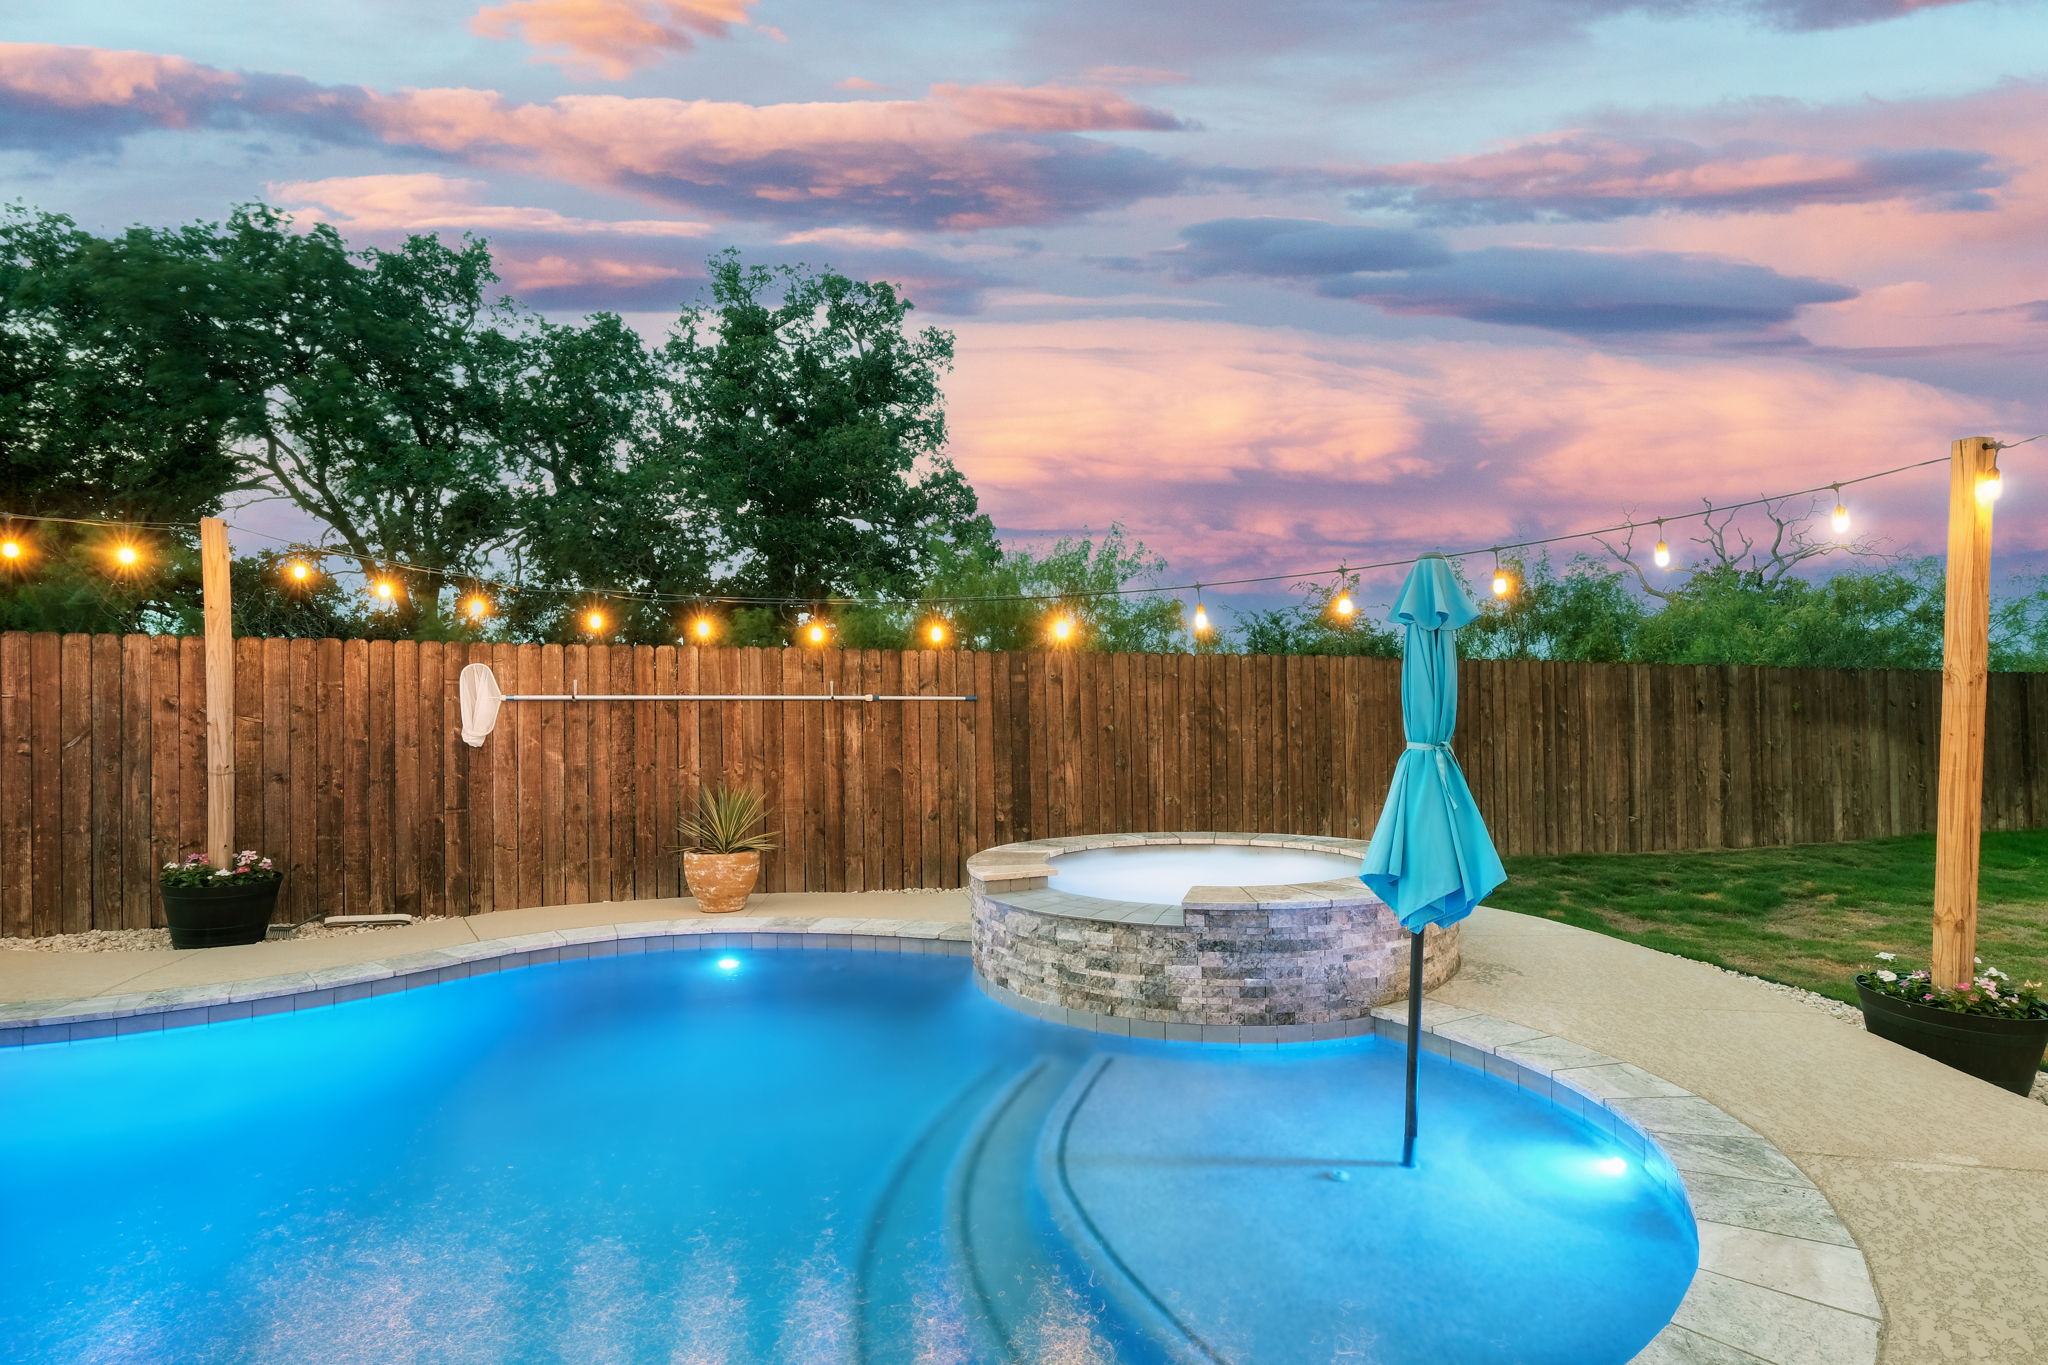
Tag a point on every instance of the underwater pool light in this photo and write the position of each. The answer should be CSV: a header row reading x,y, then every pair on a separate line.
x,y
728,964
1610,1165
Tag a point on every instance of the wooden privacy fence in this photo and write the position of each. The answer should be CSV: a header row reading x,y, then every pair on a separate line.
x,y
350,771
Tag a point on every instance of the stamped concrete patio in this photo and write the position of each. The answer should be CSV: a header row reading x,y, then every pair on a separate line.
x,y
1942,1180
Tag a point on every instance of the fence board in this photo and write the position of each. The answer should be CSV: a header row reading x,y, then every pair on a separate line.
x,y
350,772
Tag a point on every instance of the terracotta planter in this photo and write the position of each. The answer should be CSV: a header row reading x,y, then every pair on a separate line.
x,y
217,916
721,882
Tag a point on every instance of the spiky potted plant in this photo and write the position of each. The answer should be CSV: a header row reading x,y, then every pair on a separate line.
x,y
722,844
213,907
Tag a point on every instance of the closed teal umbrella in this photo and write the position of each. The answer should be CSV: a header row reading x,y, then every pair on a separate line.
x,y
1431,859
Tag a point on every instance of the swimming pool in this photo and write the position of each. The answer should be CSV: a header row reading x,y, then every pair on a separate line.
x,y
758,1157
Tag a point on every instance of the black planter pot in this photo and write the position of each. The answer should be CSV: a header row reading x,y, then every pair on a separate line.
x,y
2005,1052
216,916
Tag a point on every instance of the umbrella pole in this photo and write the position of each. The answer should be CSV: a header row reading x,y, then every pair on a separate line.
x,y
1414,1042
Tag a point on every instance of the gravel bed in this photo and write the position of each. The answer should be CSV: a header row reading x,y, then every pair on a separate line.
x,y
151,940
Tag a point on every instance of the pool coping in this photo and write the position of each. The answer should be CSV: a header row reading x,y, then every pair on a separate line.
x,y
1778,1269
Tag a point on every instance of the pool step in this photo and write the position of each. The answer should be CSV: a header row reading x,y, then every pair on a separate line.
x,y
1131,1302
908,1286
1037,1300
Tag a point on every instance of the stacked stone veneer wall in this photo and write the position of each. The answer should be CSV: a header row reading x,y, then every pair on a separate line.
x,y
1273,956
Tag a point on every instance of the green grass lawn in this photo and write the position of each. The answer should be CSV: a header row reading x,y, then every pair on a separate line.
x,y
1809,916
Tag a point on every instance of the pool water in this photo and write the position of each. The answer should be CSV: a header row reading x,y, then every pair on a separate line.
x,y
1165,872
795,1158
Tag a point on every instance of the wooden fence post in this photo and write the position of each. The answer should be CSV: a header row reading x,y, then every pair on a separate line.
x,y
1965,651
220,690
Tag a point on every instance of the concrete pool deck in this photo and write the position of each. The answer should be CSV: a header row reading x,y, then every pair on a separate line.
x,y
1943,1180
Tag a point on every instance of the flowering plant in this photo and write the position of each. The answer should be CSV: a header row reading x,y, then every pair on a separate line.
x,y
1988,992
248,867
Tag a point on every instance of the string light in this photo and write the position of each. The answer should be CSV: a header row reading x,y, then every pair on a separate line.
x,y
1839,518
1201,626
1662,554
935,632
476,606
594,621
817,633
702,630
1990,486
298,571
1342,607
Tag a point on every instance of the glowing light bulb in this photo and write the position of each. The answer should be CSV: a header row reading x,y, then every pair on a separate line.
x,y
1345,607
1501,583
298,571
593,621
1201,619
1989,487
1840,519
1662,554
385,589
10,549
1062,628
701,628
936,633
816,635
127,556
477,607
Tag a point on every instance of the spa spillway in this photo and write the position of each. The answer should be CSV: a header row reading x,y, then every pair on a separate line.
x,y
1192,931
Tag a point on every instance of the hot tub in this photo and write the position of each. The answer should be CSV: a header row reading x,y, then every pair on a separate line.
x,y
1237,937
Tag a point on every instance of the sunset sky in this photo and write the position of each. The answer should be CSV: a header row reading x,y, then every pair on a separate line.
x,y
1275,285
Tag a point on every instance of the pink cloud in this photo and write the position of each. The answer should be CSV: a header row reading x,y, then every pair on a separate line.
x,y
1927,279
1593,176
612,38
167,89
1238,449
839,236
962,157
553,273
423,202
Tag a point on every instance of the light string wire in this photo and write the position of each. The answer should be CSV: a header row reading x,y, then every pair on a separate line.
x,y
478,581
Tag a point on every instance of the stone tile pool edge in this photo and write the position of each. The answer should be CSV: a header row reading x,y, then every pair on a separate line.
x,y
1781,1280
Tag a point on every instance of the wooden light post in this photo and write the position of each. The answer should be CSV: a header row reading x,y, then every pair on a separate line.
x,y
220,690
1965,657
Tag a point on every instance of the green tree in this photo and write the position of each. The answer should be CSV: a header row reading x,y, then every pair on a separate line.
x,y
122,396
1585,611
387,374
811,425
603,497
1005,598
1314,625
122,389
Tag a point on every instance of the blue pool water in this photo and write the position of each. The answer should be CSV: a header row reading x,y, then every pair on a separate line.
x,y
796,1158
